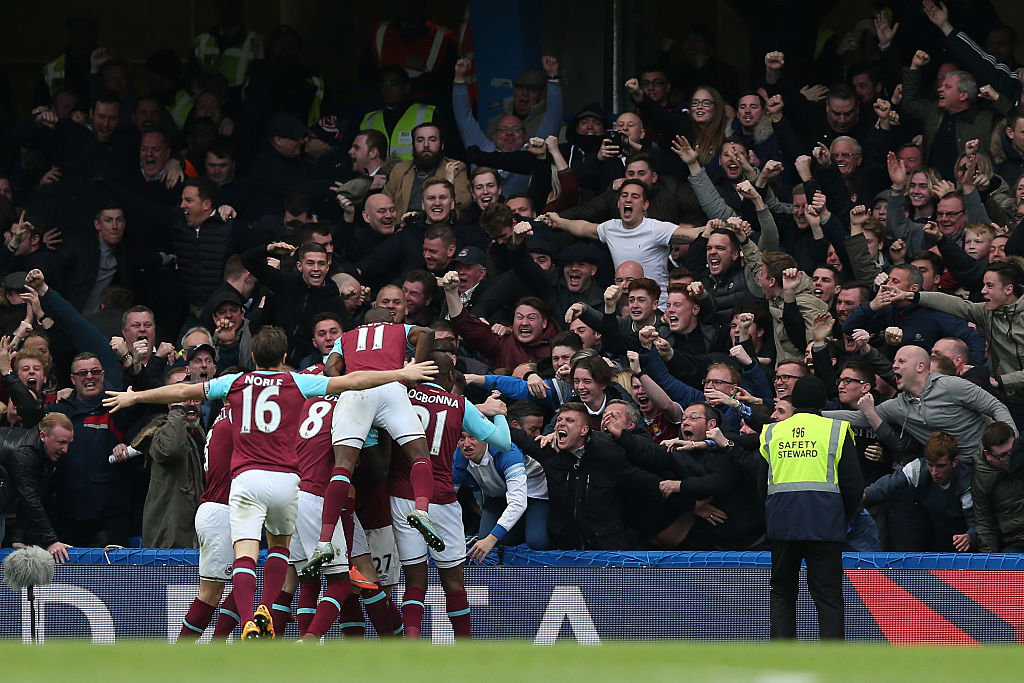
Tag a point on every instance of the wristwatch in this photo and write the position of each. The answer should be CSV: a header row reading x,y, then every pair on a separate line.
x,y
730,443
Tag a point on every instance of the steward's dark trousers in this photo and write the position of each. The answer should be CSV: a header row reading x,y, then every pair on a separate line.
x,y
824,580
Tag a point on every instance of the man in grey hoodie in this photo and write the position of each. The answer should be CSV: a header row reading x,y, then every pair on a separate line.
x,y
1000,318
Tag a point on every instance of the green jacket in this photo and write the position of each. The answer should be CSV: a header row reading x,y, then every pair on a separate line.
x,y
1004,329
998,507
175,481
974,123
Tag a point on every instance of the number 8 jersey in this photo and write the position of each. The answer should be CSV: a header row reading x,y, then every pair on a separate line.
x,y
266,409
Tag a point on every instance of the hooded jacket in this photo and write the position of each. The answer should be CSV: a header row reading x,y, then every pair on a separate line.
x,y
999,503
1004,329
808,304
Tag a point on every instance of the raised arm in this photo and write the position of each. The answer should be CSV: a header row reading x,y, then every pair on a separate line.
x,y
171,393
367,379
576,228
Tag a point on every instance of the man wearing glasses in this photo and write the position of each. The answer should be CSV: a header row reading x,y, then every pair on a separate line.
x,y
95,500
786,375
951,216
997,489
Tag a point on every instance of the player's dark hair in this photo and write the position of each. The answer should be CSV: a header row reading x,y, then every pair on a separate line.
x,y
445,368
269,346
378,315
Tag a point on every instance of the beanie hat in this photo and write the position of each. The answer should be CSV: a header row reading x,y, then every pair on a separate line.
x,y
808,394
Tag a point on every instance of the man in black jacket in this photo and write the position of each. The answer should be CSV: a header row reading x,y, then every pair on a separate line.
x,y
32,466
587,477
300,292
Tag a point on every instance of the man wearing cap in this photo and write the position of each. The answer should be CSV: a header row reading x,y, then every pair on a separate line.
x,y
279,168
560,287
471,265
814,489
231,333
509,131
399,115
237,281
583,138
323,149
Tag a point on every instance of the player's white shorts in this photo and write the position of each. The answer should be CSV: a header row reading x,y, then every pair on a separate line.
x,y
307,535
263,498
359,544
216,553
384,553
386,407
447,520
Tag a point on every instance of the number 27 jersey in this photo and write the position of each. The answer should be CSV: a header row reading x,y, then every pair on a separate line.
x,y
266,408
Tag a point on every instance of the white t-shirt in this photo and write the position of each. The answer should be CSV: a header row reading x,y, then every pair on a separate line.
x,y
647,244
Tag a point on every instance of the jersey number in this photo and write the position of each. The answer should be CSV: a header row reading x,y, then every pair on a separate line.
x,y
378,338
266,413
314,421
433,436
382,564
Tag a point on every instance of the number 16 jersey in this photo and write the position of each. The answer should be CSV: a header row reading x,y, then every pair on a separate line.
x,y
266,409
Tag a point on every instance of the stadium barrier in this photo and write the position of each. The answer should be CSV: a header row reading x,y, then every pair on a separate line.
x,y
584,596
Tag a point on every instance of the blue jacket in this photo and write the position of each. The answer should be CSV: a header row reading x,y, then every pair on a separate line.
x,y
501,474
921,326
88,485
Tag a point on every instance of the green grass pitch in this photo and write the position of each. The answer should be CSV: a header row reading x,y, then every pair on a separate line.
x,y
492,661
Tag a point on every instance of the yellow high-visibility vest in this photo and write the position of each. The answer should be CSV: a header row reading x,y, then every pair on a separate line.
x,y
400,141
233,62
803,452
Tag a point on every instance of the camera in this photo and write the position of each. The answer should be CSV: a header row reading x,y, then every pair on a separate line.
x,y
618,139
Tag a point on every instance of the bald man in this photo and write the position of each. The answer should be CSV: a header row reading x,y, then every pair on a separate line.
x,y
627,272
928,402
380,218
392,298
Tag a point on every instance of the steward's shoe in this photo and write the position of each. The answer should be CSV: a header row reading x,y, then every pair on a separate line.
x,y
323,554
419,521
264,622
251,631
359,580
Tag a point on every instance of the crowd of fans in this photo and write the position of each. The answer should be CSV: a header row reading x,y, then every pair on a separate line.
x,y
645,289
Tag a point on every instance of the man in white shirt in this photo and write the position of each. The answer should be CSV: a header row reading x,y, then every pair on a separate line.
x,y
632,236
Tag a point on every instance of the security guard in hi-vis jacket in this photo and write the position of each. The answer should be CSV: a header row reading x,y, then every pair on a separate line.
x,y
815,487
